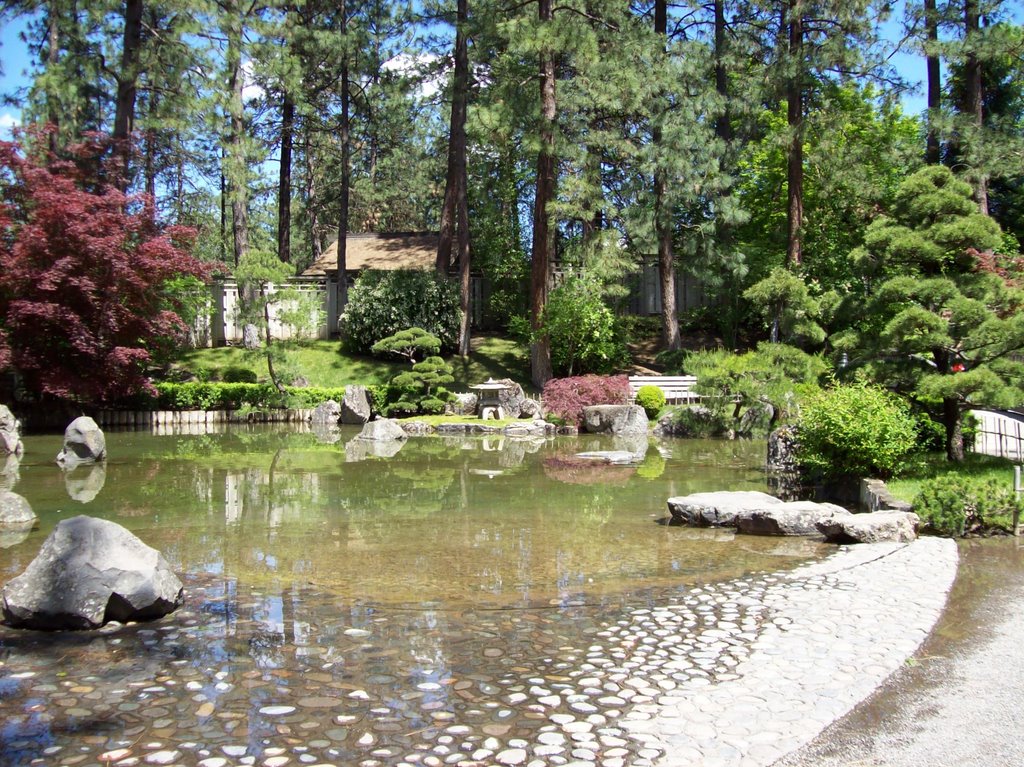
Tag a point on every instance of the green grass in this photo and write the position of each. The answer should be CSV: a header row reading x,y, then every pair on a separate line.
x,y
323,363
975,466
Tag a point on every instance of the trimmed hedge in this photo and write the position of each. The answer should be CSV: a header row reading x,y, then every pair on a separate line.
x,y
232,396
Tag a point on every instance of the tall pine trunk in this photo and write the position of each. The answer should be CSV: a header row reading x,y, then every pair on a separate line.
x,y
543,232
973,106
52,56
127,88
953,420
284,184
237,167
931,22
670,336
795,121
346,166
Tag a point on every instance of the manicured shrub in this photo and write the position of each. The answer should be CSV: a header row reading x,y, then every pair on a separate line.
x,y
421,390
855,430
238,375
953,506
584,334
408,344
651,399
565,398
381,304
232,396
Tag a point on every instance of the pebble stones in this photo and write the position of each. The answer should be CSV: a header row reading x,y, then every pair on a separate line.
x,y
732,673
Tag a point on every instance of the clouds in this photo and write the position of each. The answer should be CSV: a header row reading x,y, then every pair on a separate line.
x,y
8,122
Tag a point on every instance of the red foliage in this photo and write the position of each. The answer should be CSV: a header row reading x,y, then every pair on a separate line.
x,y
82,275
566,397
1009,268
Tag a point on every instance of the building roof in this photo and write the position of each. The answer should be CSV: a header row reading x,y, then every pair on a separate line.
x,y
415,250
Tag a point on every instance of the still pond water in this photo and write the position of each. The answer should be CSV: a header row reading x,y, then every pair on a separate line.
x,y
350,608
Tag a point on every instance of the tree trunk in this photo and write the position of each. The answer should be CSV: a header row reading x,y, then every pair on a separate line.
x,y
543,232
973,94
723,125
52,56
284,186
931,23
237,166
457,146
670,336
953,421
149,162
127,80
346,168
795,120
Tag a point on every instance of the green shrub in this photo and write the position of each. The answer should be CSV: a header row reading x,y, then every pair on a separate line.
x,y
233,396
584,334
953,506
409,344
421,390
238,375
651,399
698,422
855,430
381,304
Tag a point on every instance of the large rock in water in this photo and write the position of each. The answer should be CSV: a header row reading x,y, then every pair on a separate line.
x,y
511,398
10,433
621,420
876,527
718,509
357,405
83,443
382,430
15,513
88,572
788,518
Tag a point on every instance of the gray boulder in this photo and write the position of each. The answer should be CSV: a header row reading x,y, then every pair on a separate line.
x,y
792,518
511,398
529,408
326,414
10,433
718,509
782,446
357,405
621,420
88,572
462,404
83,443
876,527
15,513
382,430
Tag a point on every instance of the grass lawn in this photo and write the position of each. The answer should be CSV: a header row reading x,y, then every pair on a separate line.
x,y
975,466
323,363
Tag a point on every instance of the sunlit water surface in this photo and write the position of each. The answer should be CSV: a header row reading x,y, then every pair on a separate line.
x,y
344,606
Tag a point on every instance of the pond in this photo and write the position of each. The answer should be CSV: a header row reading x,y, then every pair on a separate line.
x,y
467,600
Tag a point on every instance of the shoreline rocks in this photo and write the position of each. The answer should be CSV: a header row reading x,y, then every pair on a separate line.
x,y
83,443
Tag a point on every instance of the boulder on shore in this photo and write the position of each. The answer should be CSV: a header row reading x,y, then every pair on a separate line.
x,y
15,513
357,405
326,414
382,430
83,443
88,572
788,518
875,527
718,509
10,433
621,420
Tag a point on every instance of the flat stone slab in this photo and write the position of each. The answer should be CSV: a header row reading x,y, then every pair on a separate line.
x,y
789,518
717,509
822,638
876,527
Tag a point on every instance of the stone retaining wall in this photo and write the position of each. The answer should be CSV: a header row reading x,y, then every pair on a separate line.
x,y
159,419
875,496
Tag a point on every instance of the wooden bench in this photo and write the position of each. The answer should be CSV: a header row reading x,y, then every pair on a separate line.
x,y
677,389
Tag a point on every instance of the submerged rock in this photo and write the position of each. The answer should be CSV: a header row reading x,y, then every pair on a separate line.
x,y
90,571
83,443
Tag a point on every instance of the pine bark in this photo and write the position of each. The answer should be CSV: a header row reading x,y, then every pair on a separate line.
x,y
346,167
284,185
543,233
237,188
456,168
127,88
670,335
933,65
795,118
973,105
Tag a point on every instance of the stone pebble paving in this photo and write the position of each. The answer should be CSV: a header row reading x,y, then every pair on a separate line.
x,y
733,673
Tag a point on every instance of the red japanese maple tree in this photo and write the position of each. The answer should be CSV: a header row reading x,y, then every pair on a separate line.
x,y
83,277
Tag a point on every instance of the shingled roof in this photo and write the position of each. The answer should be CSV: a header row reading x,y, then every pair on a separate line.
x,y
415,250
